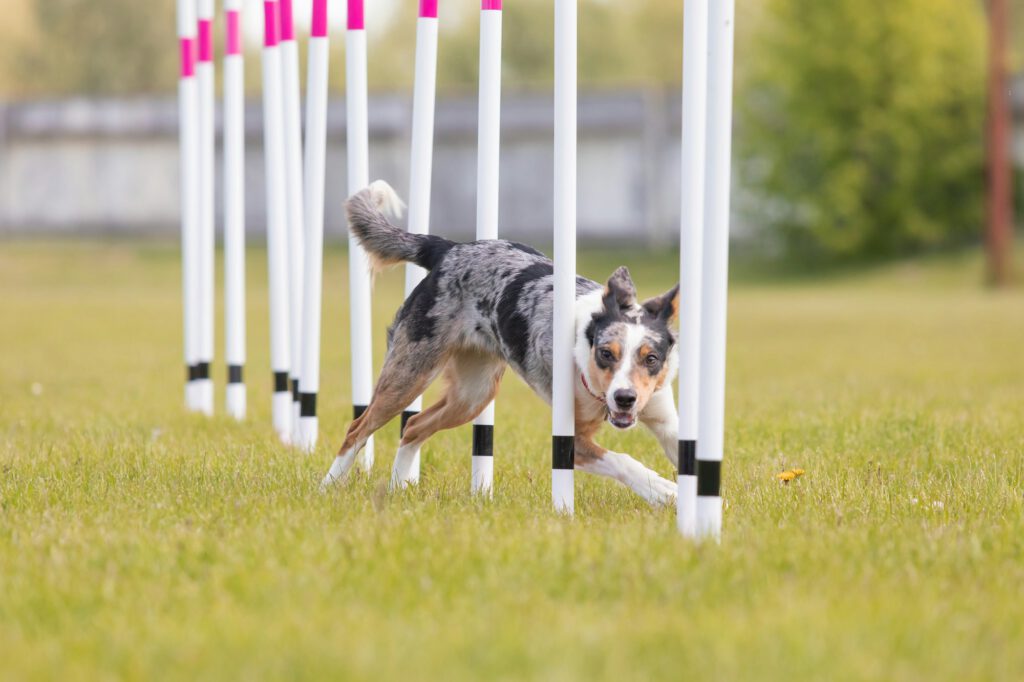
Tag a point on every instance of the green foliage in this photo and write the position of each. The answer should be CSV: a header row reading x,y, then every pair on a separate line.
x,y
108,47
862,124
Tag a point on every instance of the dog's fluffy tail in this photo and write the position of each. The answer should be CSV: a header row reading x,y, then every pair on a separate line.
x,y
368,212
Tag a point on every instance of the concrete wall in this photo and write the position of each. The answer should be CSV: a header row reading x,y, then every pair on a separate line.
x,y
111,166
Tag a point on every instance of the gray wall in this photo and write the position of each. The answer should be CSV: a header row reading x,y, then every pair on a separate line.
x,y
111,166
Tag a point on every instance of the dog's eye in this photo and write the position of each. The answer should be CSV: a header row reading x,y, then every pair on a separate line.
x,y
651,360
605,355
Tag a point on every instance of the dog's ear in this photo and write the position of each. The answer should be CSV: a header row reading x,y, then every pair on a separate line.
x,y
619,293
666,306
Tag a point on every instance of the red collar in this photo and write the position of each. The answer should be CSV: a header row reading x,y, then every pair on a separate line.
x,y
599,398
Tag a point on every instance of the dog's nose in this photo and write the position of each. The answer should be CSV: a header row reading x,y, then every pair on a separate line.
x,y
625,398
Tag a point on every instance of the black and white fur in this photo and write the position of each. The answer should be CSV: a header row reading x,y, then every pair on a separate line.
x,y
486,305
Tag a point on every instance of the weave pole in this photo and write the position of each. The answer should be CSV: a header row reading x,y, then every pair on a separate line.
x,y
358,136
312,286
234,209
563,369
487,157
291,102
711,426
207,238
188,123
419,180
691,232
277,221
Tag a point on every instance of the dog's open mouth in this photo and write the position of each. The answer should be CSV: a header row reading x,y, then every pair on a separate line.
x,y
621,420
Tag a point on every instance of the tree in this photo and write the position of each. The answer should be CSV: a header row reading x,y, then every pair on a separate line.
x,y
861,122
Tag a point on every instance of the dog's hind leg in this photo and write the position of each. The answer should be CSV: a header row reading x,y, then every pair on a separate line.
x,y
408,370
473,378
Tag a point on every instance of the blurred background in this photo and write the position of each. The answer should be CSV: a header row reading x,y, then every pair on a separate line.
x,y
861,125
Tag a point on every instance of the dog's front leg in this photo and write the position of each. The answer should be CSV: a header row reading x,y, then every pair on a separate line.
x,y
646,483
662,419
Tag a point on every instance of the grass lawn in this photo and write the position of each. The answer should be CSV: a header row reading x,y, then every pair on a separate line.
x,y
138,541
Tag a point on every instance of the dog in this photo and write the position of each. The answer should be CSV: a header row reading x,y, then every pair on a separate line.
x,y
486,305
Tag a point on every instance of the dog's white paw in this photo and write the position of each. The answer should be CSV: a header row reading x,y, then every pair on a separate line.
x,y
661,491
339,469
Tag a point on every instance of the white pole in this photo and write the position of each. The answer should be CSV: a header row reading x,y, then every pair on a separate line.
x,y
207,239
312,291
357,135
488,148
716,269
691,231
293,195
563,371
234,209
277,221
188,115
421,164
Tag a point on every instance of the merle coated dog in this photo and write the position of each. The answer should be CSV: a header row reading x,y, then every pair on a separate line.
x,y
488,304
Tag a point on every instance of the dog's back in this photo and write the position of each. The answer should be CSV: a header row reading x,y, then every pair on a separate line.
x,y
493,296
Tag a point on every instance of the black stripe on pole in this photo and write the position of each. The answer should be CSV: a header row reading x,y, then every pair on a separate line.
x,y
193,372
307,404
296,396
203,370
234,374
357,411
406,416
280,382
483,440
563,452
709,478
687,457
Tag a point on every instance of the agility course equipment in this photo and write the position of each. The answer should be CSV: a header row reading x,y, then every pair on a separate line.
x,y
207,238
290,102
312,286
277,221
691,239
563,368
188,115
234,209
419,179
358,140
714,280
487,172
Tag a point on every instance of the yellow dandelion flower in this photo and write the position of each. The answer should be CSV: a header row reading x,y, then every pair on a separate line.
x,y
786,476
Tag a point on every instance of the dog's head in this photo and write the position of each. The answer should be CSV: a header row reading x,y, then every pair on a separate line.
x,y
632,348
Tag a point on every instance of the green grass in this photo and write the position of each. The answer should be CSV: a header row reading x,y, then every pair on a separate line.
x,y
137,541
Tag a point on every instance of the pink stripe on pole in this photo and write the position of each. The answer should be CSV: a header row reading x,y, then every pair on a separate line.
x,y
356,20
205,40
234,26
287,22
491,4
270,36
428,8
188,57
319,28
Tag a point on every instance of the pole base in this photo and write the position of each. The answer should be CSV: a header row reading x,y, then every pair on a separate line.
x,y
308,432
204,396
235,401
563,494
686,505
709,518
483,476
282,415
